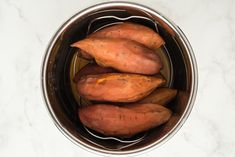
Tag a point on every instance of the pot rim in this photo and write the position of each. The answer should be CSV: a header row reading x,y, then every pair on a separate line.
x,y
178,125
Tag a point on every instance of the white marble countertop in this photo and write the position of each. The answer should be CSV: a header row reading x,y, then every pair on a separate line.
x,y
26,27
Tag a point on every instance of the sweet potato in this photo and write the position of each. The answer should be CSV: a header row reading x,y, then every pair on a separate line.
x,y
160,96
118,121
122,54
131,31
117,87
91,69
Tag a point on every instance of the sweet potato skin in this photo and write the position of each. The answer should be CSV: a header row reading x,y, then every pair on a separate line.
x,y
118,121
160,96
117,87
121,54
91,69
131,31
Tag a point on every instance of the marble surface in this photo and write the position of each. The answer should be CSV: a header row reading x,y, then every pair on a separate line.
x,y
26,27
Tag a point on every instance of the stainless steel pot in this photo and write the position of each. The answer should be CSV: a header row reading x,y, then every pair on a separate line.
x,y
57,89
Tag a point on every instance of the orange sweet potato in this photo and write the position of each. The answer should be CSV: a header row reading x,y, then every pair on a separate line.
x,y
160,96
91,69
131,31
121,54
118,121
117,87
